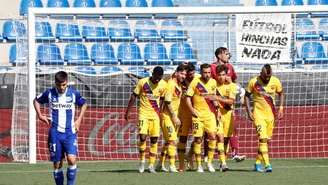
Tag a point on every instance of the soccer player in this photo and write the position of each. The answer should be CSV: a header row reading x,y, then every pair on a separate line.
x,y
204,114
222,54
62,138
170,121
226,94
151,91
264,89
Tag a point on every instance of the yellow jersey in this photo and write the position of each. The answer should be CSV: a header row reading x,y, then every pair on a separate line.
x,y
150,95
226,91
172,95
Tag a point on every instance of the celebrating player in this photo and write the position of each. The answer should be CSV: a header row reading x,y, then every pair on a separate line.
x,y
264,88
151,91
204,114
62,133
170,121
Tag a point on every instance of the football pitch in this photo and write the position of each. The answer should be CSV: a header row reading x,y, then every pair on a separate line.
x,y
285,171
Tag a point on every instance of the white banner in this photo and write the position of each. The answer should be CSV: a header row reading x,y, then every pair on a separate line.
x,y
263,38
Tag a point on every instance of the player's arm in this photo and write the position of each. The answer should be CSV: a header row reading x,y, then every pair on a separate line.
x,y
37,108
221,100
281,100
247,104
190,107
128,109
174,117
79,119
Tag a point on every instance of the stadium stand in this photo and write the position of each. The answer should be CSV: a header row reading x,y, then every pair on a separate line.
x,y
129,54
266,3
292,2
103,54
323,28
145,31
110,69
119,31
305,29
76,54
317,2
135,4
171,31
163,3
180,52
155,54
43,32
313,53
49,54
68,32
86,70
111,3
320,67
58,3
95,32
140,70
25,4
13,30
85,4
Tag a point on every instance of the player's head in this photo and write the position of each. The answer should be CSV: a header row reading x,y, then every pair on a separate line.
x,y
222,54
61,81
157,74
221,73
266,73
205,72
181,72
190,72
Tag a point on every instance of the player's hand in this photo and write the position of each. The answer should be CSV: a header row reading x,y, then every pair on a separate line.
x,y
194,113
242,95
251,116
127,116
45,119
176,121
213,97
280,114
77,124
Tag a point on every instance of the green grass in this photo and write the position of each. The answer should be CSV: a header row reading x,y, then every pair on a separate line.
x,y
285,171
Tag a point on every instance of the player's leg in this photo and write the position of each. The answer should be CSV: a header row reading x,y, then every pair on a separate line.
x,y
182,152
71,148
270,126
56,155
143,126
206,140
160,165
211,129
154,129
198,130
183,132
234,140
261,129
220,145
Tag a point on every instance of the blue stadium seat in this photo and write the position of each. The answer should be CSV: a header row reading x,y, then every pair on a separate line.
x,y
94,31
323,28
58,4
163,3
320,67
49,54
60,68
119,31
155,54
76,54
86,70
305,29
5,69
110,69
109,4
25,4
129,54
85,4
168,68
139,70
292,2
18,54
180,52
313,53
1,38
43,32
145,31
266,3
13,30
68,32
318,2
171,31
294,67
136,4
103,54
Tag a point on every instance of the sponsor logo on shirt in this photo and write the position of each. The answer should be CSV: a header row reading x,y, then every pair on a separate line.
x,y
61,106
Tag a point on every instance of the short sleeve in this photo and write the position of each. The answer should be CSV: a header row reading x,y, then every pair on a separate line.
x,y
79,100
278,86
191,88
138,88
233,91
43,97
250,88
169,93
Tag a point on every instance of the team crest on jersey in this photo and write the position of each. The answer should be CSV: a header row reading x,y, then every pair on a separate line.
x,y
168,95
160,90
54,99
69,99
272,87
213,88
227,91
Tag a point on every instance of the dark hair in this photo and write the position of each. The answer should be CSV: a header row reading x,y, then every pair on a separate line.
x,y
221,68
190,67
268,68
61,76
204,66
219,51
158,71
182,67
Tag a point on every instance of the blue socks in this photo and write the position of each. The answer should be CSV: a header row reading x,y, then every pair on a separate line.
x,y
59,176
71,173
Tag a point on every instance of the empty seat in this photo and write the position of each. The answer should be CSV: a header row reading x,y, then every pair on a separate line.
x,y
294,67
305,30
266,3
94,31
49,54
25,4
18,54
68,32
110,69
103,54
291,2
13,30
145,31
318,2
180,52
109,4
163,3
172,31
136,4
58,4
86,70
155,54
129,54
320,67
139,70
1,38
313,53
85,4
5,69
323,28
76,54
43,32
119,31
